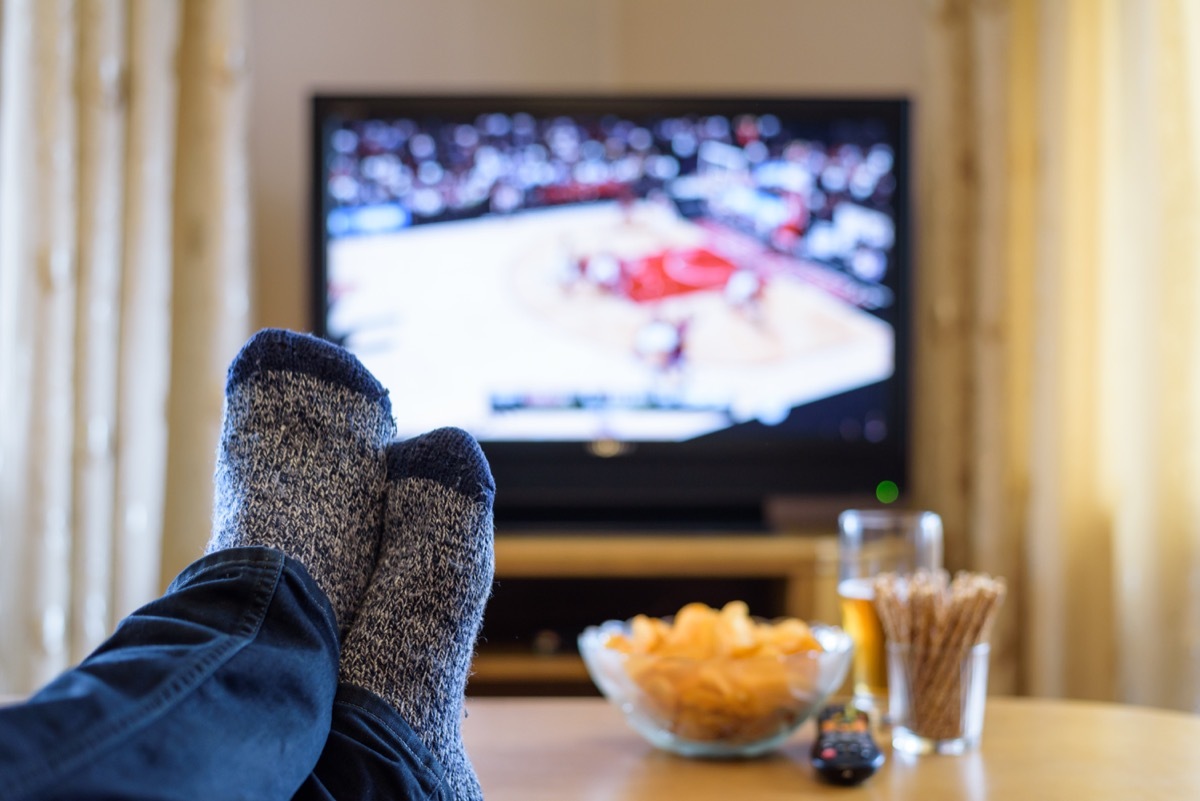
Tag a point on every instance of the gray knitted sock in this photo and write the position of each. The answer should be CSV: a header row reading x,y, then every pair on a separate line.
x,y
300,465
414,638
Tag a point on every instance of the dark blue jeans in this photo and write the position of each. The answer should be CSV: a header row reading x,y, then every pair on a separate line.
x,y
224,688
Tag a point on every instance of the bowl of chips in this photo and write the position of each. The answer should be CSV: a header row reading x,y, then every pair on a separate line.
x,y
716,682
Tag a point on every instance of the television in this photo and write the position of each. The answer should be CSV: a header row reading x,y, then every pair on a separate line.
x,y
650,310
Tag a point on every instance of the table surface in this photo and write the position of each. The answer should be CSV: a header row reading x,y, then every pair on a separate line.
x,y
580,749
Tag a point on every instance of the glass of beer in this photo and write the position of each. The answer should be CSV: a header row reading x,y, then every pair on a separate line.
x,y
870,542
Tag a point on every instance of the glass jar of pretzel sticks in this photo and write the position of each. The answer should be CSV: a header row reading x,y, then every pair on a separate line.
x,y
938,651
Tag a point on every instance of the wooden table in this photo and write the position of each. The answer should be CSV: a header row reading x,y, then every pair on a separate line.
x,y
559,749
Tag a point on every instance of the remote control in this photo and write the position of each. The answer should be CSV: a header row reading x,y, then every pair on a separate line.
x,y
844,751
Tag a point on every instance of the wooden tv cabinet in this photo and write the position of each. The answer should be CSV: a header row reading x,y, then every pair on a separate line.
x,y
805,561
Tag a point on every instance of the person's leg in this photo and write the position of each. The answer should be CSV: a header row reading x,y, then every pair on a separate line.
x,y
224,687
372,753
396,730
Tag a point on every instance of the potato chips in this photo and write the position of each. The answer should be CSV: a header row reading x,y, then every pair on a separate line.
x,y
720,674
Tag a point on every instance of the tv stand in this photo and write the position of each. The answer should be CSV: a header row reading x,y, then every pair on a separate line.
x,y
804,561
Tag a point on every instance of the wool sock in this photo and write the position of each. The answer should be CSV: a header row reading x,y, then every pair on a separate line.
x,y
414,638
301,465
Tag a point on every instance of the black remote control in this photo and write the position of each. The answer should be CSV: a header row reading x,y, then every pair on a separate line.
x,y
844,751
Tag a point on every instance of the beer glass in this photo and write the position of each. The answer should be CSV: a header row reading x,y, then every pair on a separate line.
x,y
870,542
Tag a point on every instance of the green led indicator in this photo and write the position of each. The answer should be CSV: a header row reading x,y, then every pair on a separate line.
x,y
887,492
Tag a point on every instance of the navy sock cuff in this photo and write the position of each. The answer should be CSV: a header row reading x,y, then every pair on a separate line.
x,y
449,456
277,349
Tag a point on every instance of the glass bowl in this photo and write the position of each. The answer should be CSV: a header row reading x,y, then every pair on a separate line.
x,y
722,706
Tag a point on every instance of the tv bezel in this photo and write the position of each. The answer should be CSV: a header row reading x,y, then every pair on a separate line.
x,y
690,484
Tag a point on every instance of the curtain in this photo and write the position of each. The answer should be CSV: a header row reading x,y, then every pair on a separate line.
x,y
123,294
1062,250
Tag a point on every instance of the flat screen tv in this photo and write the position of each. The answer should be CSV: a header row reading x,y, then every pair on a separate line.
x,y
649,310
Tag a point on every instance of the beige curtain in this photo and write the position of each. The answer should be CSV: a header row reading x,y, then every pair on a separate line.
x,y
123,293
1062,245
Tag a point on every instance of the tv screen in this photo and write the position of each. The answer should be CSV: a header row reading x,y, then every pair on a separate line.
x,y
645,308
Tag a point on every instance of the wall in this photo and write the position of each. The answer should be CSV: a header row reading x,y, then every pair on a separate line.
x,y
869,47
798,46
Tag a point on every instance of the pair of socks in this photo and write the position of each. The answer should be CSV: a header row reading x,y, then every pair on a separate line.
x,y
397,534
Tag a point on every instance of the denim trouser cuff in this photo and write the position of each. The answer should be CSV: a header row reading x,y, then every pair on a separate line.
x,y
226,687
